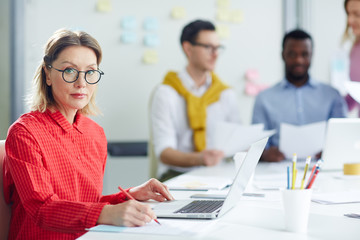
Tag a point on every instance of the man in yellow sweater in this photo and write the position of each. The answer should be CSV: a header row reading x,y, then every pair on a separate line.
x,y
188,104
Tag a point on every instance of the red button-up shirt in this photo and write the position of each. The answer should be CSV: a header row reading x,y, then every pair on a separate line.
x,y
53,175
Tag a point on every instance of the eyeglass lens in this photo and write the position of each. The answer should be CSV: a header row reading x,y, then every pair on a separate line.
x,y
71,75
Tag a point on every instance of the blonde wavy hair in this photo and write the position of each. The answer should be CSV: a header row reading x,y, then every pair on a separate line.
x,y
348,35
42,97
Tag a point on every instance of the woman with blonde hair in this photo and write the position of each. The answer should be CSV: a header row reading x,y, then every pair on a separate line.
x,y
56,155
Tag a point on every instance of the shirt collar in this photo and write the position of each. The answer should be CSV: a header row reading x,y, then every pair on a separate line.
x,y
189,83
64,123
311,83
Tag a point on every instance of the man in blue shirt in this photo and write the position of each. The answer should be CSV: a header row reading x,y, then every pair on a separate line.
x,y
297,99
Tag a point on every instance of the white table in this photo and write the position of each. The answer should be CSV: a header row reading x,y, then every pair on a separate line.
x,y
262,218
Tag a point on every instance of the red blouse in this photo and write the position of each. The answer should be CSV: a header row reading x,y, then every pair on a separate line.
x,y
53,176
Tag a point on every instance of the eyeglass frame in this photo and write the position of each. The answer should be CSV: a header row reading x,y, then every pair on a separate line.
x,y
78,74
209,47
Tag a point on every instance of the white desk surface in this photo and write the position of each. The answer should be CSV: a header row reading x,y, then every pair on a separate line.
x,y
260,218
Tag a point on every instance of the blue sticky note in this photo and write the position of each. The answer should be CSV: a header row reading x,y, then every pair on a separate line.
x,y
151,40
151,24
338,65
128,23
128,37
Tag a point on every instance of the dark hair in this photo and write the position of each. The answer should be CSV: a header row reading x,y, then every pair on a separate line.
x,y
345,3
297,34
191,31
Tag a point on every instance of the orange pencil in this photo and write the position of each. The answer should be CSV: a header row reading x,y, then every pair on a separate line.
x,y
131,197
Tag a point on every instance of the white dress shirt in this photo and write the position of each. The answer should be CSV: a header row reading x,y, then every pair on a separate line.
x,y
170,125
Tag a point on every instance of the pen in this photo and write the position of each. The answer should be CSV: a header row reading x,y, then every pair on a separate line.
x,y
288,177
311,181
308,160
312,173
131,197
293,171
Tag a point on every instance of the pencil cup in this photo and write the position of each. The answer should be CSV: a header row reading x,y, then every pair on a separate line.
x,y
296,209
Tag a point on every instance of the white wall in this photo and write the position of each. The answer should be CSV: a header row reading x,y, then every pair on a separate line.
x,y
125,88
328,21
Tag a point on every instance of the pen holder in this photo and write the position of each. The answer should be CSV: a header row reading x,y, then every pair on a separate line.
x,y
296,209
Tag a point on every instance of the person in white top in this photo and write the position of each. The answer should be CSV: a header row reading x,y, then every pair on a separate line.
x,y
186,107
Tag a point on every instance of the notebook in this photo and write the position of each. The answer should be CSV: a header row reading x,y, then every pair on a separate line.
x,y
342,143
209,209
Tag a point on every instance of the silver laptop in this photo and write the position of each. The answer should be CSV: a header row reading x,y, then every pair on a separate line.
x,y
342,143
208,209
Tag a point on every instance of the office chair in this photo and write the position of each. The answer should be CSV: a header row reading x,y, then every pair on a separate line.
x,y
5,212
154,162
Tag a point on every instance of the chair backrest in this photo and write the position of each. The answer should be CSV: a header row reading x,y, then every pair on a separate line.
x,y
151,153
5,213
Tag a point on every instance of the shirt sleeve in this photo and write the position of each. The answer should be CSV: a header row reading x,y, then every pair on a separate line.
x,y
114,198
259,113
33,185
163,129
339,108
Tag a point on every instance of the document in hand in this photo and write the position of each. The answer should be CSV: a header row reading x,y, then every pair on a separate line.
x,y
306,140
353,89
232,138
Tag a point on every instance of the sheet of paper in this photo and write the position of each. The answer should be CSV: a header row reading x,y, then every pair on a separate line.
x,y
353,89
305,140
167,227
189,182
336,197
232,138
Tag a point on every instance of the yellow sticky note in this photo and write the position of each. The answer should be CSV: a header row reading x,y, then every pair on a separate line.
x,y
150,57
223,31
178,12
236,16
223,15
223,3
103,6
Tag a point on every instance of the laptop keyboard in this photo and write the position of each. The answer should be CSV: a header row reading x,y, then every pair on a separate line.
x,y
201,206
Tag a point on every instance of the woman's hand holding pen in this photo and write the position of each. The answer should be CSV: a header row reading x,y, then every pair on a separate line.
x,y
133,213
152,189
129,214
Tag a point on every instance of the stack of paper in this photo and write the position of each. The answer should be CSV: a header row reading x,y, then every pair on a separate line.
x,y
167,227
306,140
337,197
232,138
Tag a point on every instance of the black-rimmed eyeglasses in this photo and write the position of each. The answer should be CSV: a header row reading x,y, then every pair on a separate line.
x,y
70,75
210,48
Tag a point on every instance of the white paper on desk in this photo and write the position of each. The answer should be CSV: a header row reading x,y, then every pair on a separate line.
x,y
167,227
353,89
336,197
306,140
188,182
232,138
